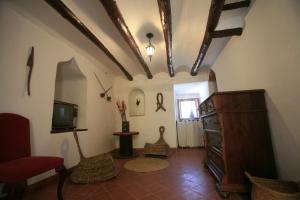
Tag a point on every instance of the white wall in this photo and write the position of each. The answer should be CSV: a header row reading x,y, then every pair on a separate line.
x,y
17,36
148,125
267,56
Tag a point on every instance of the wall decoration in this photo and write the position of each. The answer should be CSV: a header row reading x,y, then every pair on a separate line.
x,y
104,93
136,102
159,102
30,63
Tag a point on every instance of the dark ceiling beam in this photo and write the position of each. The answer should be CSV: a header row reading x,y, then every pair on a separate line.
x,y
215,10
117,18
226,32
66,13
236,5
166,22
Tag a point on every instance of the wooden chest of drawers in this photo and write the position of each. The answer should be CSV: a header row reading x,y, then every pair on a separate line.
x,y
237,138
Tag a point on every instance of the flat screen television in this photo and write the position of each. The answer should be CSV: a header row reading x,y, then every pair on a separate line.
x,y
64,116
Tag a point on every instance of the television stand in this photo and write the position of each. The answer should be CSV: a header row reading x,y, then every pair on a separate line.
x,y
67,130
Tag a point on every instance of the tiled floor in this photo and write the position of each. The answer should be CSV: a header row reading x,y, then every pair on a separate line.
x,y
185,178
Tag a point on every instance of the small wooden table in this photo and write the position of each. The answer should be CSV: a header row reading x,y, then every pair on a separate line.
x,y
126,149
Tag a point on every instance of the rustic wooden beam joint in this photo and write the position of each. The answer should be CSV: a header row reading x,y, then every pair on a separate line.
x,y
236,5
166,22
118,20
214,15
66,13
226,33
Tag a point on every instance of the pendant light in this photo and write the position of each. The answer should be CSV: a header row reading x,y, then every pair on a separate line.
x,y
150,49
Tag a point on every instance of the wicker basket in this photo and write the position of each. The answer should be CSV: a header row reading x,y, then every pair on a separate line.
x,y
160,148
270,189
93,169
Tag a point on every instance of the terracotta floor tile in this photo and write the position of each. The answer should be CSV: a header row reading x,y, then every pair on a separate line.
x,y
184,179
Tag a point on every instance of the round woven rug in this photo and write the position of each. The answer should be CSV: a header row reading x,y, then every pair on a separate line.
x,y
146,164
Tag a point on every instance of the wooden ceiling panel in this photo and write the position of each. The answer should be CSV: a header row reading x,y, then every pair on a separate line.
x,y
117,18
166,22
66,13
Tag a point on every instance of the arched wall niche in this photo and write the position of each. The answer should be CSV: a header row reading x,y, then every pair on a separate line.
x,y
136,102
212,82
71,87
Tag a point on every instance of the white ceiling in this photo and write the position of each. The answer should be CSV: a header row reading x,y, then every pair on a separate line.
x,y
189,18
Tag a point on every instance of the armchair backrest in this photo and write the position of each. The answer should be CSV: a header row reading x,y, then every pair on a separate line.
x,y
14,137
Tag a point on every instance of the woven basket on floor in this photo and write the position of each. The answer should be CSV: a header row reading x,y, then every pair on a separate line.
x,y
96,168
160,148
270,189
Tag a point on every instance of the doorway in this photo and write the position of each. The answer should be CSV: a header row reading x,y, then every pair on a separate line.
x,y
187,97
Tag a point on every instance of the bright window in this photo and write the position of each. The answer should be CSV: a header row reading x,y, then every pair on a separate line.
x,y
188,108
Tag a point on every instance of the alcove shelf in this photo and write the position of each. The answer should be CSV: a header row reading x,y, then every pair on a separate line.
x,y
136,102
71,88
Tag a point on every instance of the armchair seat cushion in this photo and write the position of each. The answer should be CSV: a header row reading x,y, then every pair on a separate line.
x,y
26,167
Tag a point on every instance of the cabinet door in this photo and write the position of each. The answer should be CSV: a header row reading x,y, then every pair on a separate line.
x,y
211,122
215,140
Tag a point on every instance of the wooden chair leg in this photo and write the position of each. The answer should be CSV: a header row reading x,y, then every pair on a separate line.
x,y
62,176
15,191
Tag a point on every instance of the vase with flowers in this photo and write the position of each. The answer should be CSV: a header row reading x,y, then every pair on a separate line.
x,y
122,109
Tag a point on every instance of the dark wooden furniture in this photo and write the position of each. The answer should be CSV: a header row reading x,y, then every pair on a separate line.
x,y
237,138
16,162
126,149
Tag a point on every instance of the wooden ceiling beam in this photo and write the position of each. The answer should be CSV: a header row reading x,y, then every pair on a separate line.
x,y
215,10
117,18
236,5
66,13
166,22
226,32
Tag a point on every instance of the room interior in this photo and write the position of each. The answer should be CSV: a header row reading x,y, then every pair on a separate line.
x,y
205,89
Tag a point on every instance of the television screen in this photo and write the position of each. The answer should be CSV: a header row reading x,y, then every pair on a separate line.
x,y
64,115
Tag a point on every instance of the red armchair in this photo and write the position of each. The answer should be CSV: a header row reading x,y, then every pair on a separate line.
x,y
16,162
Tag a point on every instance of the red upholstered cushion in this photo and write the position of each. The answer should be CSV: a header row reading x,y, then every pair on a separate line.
x,y
14,137
24,168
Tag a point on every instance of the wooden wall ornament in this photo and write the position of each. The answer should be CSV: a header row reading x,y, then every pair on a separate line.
x,y
105,91
160,102
30,63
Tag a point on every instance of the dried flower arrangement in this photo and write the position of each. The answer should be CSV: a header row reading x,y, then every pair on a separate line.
x,y
122,109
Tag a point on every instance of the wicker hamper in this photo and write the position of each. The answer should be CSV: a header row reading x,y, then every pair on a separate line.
x,y
92,169
159,148
270,189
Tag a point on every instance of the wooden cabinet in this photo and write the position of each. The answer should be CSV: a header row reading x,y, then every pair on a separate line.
x,y
237,138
